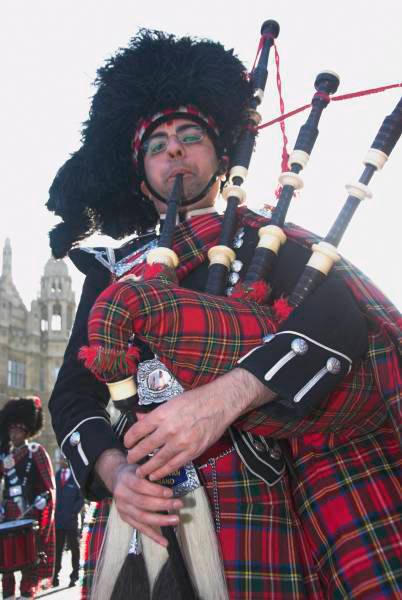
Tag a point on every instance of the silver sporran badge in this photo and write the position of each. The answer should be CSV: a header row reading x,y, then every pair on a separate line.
x,y
155,383
8,462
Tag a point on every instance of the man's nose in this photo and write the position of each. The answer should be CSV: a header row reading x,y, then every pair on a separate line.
x,y
174,147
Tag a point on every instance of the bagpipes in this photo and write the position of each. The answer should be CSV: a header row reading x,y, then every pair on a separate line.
x,y
199,336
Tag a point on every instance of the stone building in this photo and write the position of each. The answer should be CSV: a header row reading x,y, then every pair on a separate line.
x,y
32,342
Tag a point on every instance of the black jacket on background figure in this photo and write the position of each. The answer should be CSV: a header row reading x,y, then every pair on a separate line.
x,y
69,502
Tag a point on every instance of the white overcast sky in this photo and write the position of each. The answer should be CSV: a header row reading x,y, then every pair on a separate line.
x,y
50,50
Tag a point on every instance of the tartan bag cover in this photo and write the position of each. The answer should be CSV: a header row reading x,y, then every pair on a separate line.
x,y
197,336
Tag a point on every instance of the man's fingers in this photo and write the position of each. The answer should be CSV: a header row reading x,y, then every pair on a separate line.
x,y
161,458
136,484
150,504
155,471
143,449
138,431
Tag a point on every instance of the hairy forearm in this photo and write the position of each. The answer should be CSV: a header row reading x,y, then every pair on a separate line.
x,y
235,394
108,466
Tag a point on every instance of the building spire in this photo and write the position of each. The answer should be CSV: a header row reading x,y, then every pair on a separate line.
x,y
7,261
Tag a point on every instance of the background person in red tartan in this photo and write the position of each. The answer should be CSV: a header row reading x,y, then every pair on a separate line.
x,y
28,481
325,523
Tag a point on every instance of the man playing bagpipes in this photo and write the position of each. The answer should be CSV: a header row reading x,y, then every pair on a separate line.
x,y
28,493
295,445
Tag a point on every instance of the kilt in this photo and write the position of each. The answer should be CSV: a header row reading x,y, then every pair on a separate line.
x,y
333,531
296,540
261,538
91,542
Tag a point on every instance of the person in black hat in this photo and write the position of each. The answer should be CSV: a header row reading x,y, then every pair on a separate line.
x,y
28,487
166,106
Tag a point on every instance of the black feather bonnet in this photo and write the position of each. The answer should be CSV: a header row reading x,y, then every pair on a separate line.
x,y
25,412
97,189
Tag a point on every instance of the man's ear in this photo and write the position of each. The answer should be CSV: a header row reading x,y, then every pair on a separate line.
x,y
223,165
145,191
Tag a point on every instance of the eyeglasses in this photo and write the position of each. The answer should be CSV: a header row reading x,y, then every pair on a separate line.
x,y
190,134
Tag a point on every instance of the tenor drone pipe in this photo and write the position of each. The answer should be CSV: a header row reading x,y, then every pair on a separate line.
x,y
324,254
164,254
221,256
174,202
272,236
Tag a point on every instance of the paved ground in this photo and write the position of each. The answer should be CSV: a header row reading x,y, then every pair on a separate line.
x,y
63,592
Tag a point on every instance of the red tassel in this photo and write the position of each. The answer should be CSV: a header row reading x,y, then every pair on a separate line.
x,y
239,292
152,271
282,309
110,365
159,270
257,291
37,402
132,359
88,355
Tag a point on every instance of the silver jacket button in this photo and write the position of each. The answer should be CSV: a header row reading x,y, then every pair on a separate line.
x,y
275,452
234,278
236,265
75,438
333,365
299,346
258,445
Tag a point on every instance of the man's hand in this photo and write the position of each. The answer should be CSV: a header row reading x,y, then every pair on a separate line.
x,y
138,501
187,425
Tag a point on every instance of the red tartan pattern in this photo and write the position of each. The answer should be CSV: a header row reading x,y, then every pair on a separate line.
x,y
340,534
91,542
45,518
198,336
263,548
192,240
348,497
28,585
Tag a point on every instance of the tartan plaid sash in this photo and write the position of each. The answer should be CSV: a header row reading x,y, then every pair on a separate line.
x,y
385,330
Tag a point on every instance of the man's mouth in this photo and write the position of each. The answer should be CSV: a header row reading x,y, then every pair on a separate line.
x,y
181,171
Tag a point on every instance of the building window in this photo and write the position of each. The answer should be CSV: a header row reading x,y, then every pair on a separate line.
x,y
16,374
56,322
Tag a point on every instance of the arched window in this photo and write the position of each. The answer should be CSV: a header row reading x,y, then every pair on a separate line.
x,y
44,320
56,318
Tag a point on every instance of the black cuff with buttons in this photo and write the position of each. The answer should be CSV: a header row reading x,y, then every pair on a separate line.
x,y
83,447
313,350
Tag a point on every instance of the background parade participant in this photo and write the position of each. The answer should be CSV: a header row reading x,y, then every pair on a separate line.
x,y
27,473
69,503
276,536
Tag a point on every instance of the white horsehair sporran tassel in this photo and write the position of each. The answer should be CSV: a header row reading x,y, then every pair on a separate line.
x,y
195,532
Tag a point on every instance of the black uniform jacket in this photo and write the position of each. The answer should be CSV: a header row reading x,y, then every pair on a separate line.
x,y
78,402
69,502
